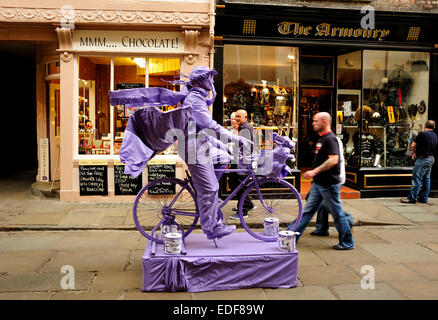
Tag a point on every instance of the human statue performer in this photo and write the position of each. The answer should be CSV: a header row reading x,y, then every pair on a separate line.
x,y
148,130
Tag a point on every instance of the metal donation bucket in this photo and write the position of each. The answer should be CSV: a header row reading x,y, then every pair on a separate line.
x,y
287,240
173,243
271,227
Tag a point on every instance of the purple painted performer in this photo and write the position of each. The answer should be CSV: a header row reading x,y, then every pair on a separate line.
x,y
148,131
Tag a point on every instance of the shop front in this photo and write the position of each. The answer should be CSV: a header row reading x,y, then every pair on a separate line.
x,y
83,53
285,64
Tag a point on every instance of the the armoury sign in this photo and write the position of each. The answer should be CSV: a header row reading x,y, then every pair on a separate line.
x,y
128,41
327,30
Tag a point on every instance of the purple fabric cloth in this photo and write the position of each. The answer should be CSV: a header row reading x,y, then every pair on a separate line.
x,y
147,97
145,135
251,264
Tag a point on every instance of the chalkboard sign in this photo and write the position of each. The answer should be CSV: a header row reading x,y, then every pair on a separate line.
x,y
159,171
93,180
124,184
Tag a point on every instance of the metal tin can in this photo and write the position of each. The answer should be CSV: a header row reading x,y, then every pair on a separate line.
x,y
168,228
173,243
287,240
271,227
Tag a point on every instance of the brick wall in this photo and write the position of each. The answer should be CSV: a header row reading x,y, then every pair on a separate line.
x,y
383,5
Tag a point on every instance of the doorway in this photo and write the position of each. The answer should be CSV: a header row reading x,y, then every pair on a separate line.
x,y
19,143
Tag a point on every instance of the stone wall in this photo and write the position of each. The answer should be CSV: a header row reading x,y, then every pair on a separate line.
x,y
383,5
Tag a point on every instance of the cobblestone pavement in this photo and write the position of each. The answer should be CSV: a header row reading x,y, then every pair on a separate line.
x,y
38,236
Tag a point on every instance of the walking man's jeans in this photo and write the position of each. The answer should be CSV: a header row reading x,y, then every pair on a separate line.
x,y
322,224
331,196
421,176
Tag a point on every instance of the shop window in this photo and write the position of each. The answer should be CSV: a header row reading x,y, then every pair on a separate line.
x,y
263,81
389,113
100,126
93,105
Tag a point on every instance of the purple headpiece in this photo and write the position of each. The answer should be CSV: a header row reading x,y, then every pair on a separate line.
x,y
198,73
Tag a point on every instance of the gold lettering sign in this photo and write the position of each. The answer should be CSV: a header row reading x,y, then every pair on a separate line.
x,y
327,30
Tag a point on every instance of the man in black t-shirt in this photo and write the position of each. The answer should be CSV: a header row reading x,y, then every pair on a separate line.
x,y
423,148
326,184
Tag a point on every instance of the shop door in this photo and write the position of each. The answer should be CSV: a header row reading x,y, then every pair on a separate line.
x,y
54,135
312,101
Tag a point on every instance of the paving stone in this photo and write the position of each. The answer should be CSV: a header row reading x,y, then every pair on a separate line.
x,y
426,269
306,257
83,218
138,295
431,245
118,280
89,260
88,295
243,294
407,209
22,261
122,213
81,242
25,296
356,256
417,289
409,235
371,212
300,293
135,261
384,272
381,291
44,281
36,219
421,217
29,241
109,221
327,275
401,252
365,236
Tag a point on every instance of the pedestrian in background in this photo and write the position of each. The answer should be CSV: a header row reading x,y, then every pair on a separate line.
x,y
423,148
326,182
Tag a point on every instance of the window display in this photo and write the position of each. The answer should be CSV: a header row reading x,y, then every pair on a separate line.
x,y
263,81
379,123
100,128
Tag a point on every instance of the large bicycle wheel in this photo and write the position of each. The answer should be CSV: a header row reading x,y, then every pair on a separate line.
x,y
279,199
151,209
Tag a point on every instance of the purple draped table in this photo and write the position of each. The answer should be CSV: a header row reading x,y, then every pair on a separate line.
x,y
241,261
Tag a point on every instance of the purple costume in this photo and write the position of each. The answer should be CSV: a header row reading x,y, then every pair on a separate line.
x,y
148,133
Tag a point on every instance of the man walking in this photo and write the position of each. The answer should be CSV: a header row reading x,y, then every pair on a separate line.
x,y
423,148
326,182
247,131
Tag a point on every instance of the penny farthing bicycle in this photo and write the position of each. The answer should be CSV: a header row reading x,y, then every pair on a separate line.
x,y
272,196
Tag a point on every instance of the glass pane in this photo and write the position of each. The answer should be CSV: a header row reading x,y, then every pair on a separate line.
x,y
348,105
93,107
129,73
161,71
263,81
395,94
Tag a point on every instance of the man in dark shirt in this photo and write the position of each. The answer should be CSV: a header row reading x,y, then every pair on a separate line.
x,y
423,148
247,131
326,184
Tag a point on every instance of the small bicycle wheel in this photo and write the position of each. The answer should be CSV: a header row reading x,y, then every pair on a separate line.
x,y
152,207
279,199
